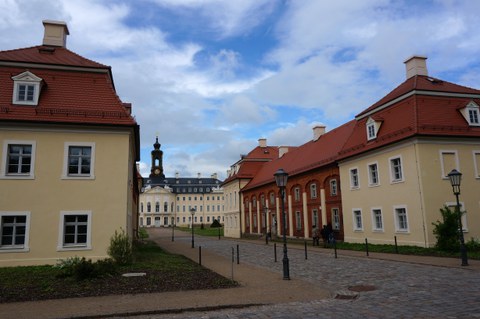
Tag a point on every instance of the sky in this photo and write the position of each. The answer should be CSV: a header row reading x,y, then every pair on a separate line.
x,y
211,77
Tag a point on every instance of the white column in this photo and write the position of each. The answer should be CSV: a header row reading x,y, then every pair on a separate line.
x,y
290,216
324,207
305,216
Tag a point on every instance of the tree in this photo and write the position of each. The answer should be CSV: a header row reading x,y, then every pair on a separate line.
x,y
446,232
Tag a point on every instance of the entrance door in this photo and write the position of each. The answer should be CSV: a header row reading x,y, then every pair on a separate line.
x,y
165,221
157,221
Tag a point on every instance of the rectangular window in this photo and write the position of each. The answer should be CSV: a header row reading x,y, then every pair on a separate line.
x,y
371,131
354,182
213,208
335,219
75,230
396,170
297,194
377,219
313,191
373,174
333,187
18,159
14,230
298,220
401,222
79,160
25,92
315,218
476,162
473,116
357,219
449,161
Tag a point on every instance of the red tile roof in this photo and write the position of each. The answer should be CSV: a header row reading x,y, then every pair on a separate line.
x,y
253,161
309,156
419,111
42,54
68,94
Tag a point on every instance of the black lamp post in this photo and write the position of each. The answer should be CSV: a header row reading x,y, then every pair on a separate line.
x,y
455,179
192,211
281,178
173,228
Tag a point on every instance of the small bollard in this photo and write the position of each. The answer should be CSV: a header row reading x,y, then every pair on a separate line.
x,y
335,247
200,255
233,260
396,246
219,232
306,256
266,239
275,251
238,255
366,246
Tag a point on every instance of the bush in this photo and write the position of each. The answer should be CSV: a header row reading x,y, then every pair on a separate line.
x,y
473,245
446,232
81,268
215,224
121,248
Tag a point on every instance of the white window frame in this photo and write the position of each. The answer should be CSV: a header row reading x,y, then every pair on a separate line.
x,y
67,146
355,224
457,163
396,218
296,192
371,182
393,179
352,184
298,220
452,205
333,187
477,168
4,170
16,248
371,129
28,79
374,220
313,190
315,217
61,228
467,111
336,220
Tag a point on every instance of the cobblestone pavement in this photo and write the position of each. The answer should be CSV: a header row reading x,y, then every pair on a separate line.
x,y
401,290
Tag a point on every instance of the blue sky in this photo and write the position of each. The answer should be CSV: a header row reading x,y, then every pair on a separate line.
x,y
211,77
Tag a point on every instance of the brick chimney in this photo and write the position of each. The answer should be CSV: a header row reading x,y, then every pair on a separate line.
x,y
416,65
55,33
282,150
318,130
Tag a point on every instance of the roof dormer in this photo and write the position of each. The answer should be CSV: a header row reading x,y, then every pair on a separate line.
x,y
471,113
26,88
372,127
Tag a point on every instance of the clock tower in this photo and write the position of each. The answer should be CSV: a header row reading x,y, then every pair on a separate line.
x,y
157,161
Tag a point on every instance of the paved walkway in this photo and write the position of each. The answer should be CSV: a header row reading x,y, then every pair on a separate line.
x,y
378,286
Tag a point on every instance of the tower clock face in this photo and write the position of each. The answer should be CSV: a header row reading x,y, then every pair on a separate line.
x,y
157,171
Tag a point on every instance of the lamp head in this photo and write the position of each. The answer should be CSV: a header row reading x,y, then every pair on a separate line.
x,y
281,178
455,180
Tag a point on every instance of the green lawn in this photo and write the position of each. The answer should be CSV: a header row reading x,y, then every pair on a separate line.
x,y
206,231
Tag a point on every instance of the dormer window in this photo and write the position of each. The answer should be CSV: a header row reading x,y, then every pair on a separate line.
x,y
26,88
372,128
471,113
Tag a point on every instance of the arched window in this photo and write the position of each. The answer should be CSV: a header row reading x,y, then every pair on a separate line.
x,y
141,207
165,207
157,207
149,207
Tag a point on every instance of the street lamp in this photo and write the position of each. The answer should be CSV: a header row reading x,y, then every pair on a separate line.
x,y
455,179
192,211
173,228
281,178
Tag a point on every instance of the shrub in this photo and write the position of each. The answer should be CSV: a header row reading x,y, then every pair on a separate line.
x,y
81,268
473,244
446,232
121,248
67,266
215,224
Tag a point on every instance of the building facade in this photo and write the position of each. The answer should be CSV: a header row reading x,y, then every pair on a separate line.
x,y
60,150
394,166
239,175
168,201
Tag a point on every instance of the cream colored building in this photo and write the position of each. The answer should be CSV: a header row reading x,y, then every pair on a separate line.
x,y
67,169
394,168
165,201
239,175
